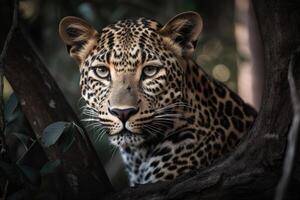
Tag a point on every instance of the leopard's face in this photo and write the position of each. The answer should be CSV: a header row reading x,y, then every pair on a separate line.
x,y
132,77
126,81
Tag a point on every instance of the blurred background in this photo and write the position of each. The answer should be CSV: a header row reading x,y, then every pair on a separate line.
x,y
224,49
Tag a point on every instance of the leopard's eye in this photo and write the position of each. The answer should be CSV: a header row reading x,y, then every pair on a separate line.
x,y
150,71
101,72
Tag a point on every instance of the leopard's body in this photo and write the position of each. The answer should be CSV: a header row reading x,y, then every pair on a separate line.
x,y
166,115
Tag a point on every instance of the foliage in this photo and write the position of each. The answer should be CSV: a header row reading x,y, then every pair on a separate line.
x,y
26,180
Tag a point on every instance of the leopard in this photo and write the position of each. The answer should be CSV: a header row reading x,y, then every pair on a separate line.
x,y
143,88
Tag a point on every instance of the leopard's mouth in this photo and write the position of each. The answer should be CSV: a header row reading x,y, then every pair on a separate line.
x,y
125,138
125,132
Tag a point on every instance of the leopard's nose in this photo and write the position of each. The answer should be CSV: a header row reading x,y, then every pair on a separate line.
x,y
123,114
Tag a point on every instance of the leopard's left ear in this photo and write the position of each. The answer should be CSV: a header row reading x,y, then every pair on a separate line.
x,y
184,30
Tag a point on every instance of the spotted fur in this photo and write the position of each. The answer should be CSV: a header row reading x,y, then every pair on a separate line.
x,y
180,118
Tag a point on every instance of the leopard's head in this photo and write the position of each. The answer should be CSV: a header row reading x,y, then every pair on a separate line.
x,y
132,73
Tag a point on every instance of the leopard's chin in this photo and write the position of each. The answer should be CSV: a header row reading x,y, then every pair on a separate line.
x,y
126,138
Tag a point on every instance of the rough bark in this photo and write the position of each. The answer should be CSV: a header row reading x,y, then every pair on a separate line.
x,y
43,103
254,169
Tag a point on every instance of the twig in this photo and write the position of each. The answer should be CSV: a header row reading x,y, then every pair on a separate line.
x,y
293,133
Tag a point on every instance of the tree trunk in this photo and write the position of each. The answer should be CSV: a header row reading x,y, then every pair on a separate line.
x,y
254,169
43,103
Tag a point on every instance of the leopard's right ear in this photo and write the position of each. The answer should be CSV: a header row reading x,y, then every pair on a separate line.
x,y
79,37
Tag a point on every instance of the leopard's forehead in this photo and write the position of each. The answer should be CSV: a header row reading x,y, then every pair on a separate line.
x,y
129,43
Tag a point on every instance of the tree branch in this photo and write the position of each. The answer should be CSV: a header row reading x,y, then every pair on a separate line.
x,y
43,103
3,145
293,133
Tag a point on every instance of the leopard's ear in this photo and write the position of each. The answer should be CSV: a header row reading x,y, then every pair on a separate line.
x,y
184,30
79,37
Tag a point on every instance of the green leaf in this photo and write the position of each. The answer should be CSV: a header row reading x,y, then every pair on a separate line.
x,y
79,129
30,174
50,167
22,137
10,108
67,139
53,132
